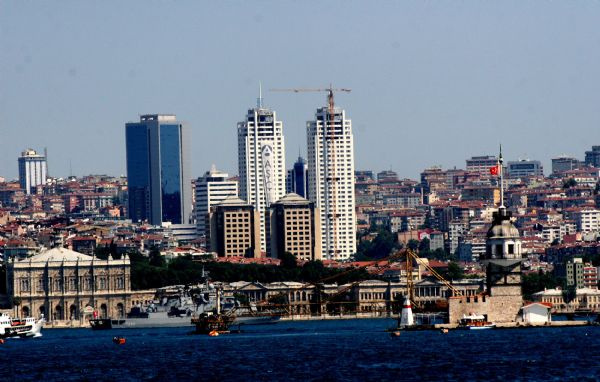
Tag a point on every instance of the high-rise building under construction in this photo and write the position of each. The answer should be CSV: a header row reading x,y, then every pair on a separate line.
x,y
331,180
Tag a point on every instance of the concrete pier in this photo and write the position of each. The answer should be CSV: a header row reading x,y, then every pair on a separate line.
x,y
521,325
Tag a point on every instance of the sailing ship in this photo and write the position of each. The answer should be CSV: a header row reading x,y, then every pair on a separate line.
x,y
215,322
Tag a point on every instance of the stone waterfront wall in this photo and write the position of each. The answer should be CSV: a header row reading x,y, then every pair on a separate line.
x,y
504,308
463,306
496,308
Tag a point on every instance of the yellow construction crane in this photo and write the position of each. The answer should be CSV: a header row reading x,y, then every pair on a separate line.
x,y
330,177
406,254
410,256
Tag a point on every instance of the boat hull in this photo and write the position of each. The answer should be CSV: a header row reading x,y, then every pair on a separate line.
x,y
154,320
256,320
484,327
28,330
218,323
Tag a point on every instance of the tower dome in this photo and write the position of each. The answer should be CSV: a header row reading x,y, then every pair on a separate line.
x,y
502,227
503,239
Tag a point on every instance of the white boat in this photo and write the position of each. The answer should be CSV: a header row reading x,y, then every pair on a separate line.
x,y
20,327
475,322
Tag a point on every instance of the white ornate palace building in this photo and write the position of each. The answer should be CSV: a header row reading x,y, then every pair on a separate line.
x,y
65,285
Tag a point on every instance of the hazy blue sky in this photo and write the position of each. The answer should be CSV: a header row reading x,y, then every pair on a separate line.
x,y
432,82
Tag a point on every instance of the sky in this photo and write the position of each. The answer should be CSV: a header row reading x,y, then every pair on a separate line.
x,y
433,82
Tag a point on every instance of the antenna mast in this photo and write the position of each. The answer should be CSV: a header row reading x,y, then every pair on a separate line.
x,y
259,100
501,169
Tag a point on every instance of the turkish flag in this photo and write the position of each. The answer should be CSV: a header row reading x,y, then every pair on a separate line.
x,y
494,170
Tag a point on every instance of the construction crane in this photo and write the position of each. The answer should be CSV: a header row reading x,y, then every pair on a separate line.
x,y
407,254
330,163
410,256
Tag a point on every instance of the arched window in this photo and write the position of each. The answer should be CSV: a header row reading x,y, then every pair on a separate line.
x,y
72,312
25,311
58,312
103,311
120,311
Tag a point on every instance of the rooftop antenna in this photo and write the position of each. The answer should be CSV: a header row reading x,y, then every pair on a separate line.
x,y
259,100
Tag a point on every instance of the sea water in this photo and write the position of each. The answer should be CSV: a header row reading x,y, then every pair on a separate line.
x,y
348,350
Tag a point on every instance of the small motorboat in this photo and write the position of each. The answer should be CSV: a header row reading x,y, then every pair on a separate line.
x,y
444,330
119,340
395,333
213,333
475,322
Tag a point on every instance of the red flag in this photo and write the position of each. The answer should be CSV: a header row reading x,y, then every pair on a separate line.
x,y
494,170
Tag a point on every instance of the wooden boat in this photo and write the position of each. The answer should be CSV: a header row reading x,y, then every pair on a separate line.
x,y
207,323
475,322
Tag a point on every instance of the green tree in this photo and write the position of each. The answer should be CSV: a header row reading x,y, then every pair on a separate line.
x,y
424,246
156,259
102,252
455,271
288,260
381,246
569,183
413,244
440,254
536,282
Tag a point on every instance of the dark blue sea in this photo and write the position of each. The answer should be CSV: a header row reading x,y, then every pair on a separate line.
x,y
348,350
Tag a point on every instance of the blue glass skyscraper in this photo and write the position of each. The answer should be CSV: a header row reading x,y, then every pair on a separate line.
x,y
297,178
158,175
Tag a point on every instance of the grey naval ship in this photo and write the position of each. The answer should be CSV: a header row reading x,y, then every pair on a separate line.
x,y
176,306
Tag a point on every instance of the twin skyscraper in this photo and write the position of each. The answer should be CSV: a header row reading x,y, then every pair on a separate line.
x,y
160,184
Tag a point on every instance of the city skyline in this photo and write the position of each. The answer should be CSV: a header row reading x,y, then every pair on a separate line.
x,y
460,74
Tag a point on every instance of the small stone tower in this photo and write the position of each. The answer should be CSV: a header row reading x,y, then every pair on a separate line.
x,y
503,268
503,299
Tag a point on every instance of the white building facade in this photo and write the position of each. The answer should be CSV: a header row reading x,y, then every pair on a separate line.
x,y
587,220
33,170
261,162
211,189
331,180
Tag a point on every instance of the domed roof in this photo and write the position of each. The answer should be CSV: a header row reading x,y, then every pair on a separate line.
x,y
502,227
58,254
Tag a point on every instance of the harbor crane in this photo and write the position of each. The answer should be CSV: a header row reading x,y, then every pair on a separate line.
x,y
408,255
330,160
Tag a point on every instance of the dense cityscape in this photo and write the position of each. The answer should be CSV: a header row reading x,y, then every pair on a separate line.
x,y
299,191
273,230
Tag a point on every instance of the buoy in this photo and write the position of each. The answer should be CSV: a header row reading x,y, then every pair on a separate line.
x,y
119,340
395,333
213,333
1,341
